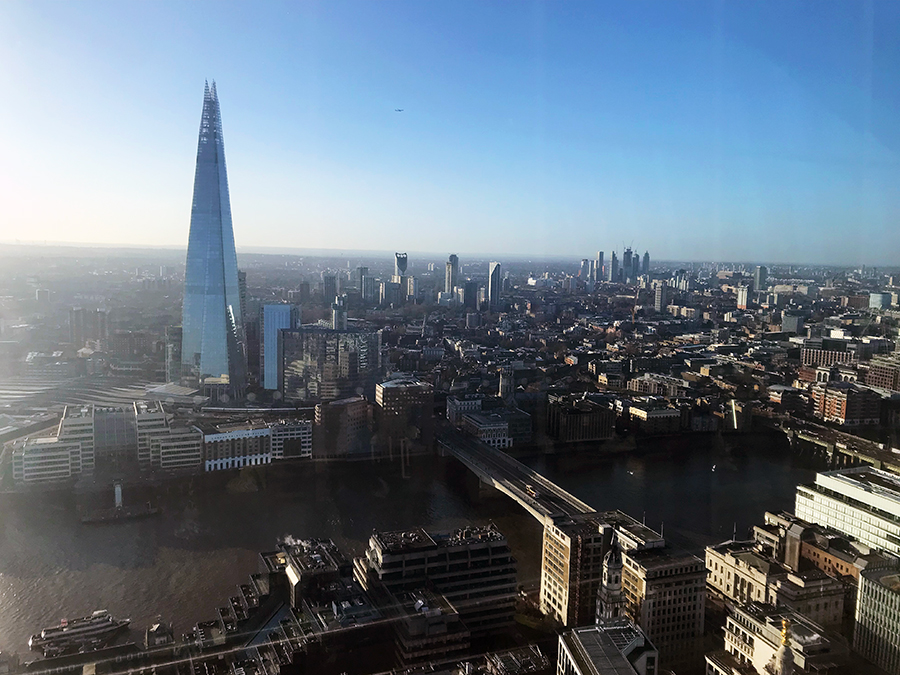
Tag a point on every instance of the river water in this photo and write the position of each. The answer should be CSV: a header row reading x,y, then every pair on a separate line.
x,y
184,563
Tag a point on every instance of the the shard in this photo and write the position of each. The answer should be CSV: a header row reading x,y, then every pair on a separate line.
x,y
211,316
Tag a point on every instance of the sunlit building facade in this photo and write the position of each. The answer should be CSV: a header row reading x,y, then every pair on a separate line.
x,y
275,319
211,315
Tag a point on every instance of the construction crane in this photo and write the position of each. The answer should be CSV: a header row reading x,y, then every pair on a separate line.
x,y
423,324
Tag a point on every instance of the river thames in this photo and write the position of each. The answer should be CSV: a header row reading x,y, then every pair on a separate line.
x,y
186,562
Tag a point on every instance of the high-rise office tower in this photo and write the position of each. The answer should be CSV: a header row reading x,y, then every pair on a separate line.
x,y
635,267
87,326
614,268
400,260
585,268
470,294
211,318
369,289
743,294
390,293
661,300
275,318
411,289
360,273
76,327
760,278
451,279
339,313
329,287
303,292
493,290
626,265
645,269
598,268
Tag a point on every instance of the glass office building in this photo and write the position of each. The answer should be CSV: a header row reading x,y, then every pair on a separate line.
x,y
211,319
275,318
319,364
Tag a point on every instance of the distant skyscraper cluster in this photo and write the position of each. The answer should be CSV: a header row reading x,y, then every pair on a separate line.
x,y
626,270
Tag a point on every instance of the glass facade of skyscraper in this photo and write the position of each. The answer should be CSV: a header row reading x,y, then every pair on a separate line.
x,y
211,319
275,318
319,364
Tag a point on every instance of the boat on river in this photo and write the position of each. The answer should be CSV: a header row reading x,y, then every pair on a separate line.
x,y
72,635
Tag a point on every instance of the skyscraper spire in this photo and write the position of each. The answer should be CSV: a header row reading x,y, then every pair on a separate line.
x,y
211,315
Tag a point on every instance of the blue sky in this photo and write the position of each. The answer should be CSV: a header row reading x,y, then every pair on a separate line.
x,y
762,131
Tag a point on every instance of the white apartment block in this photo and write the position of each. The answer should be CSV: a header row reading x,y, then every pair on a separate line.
x,y
151,420
862,503
45,460
77,426
877,633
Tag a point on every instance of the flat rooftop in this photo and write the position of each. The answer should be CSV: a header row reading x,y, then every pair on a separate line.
x,y
148,407
881,483
628,528
622,521
888,578
313,554
745,552
804,633
416,539
595,651
73,412
225,427
485,419
622,631
527,659
111,409
661,558
469,535
403,383
211,427
400,541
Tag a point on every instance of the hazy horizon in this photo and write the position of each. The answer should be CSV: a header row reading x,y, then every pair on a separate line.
x,y
416,257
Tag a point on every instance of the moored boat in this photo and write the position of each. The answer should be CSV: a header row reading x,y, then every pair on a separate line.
x,y
96,629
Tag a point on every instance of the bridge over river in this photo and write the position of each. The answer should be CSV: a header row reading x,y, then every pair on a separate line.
x,y
542,498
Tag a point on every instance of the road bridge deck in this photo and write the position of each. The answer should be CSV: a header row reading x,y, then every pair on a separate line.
x,y
541,497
